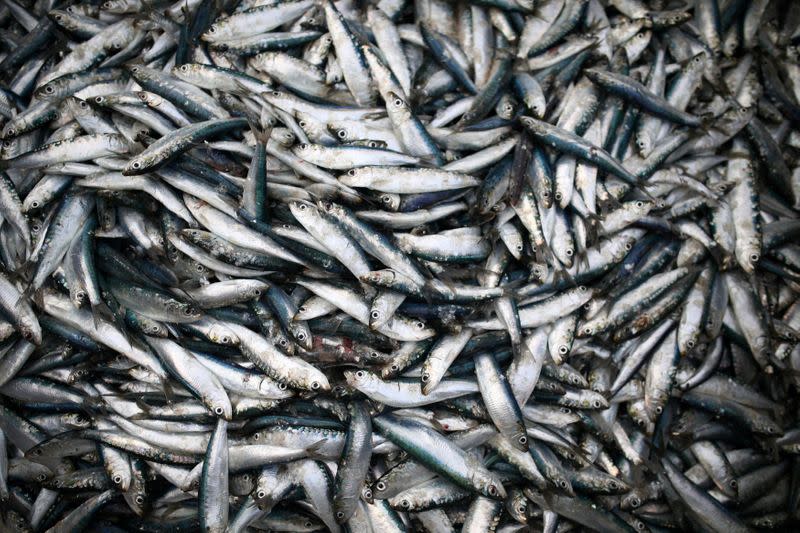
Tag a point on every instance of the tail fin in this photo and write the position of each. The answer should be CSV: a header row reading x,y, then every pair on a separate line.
x,y
313,451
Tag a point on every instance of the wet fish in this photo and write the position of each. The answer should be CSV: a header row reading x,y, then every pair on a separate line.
x,y
499,265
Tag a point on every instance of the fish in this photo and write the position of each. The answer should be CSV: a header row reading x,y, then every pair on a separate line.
x,y
500,265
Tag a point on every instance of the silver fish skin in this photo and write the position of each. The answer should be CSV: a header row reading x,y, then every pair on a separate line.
x,y
501,265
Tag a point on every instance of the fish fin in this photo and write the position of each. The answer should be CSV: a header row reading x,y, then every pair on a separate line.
x,y
560,273
30,293
313,450
169,392
510,288
607,205
717,253
262,135
97,312
93,404
429,161
375,115
592,233
143,407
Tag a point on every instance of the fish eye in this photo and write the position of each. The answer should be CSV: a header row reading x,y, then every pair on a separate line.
x,y
425,377
212,29
282,386
301,123
563,351
635,502
569,252
257,292
260,494
659,409
315,385
34,204
283,342
117,479
184,68
136,164
360,374
351,172
398,102
135,69
342,134
380,485
301,336
492,490
219,410
302,207
754,258
639,203
375,315
420,325
304,146
734,483
276,93
339,514
523,440
394,367
49,89
405,504
140,499
597,404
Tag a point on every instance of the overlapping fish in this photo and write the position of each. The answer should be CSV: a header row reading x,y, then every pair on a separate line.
x,y
441,265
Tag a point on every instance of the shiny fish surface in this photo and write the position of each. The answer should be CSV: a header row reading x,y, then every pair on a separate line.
x,y
400,265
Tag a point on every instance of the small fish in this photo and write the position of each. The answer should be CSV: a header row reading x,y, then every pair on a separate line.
x,y
489,266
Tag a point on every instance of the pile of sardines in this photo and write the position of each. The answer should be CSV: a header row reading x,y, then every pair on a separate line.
x,y
429,265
